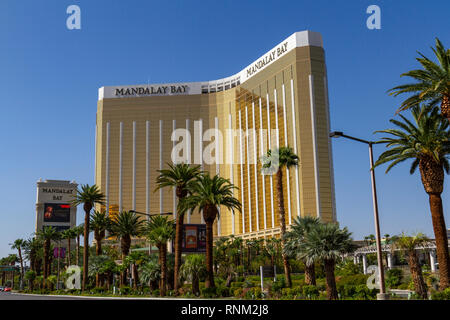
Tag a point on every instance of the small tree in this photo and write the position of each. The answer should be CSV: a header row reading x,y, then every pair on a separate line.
x,y
410,245
193,269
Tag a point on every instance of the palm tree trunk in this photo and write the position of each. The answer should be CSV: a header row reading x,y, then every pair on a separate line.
x,y
46,254
163,257
87,210
195,284
445,107
331,281
178,247
440,234
68,251
21,268
310,274
416,274
287,272
78,250
209,283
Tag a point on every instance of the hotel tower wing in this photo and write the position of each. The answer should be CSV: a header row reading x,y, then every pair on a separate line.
x,y
226,125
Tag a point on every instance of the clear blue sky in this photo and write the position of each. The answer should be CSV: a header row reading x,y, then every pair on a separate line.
x,y
49,78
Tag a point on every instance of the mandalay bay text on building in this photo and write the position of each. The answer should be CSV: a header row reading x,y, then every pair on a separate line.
x,y
281,99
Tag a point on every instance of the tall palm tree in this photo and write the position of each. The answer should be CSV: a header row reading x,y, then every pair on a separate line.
x,y
432,82
427,143
208,195
193,269
89,196
47,234
100,223
69,234
410,244
300,228
127,224
327,243
159,230
286,159
18,245
180,177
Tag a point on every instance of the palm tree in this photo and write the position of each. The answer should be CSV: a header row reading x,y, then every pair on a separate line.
x,y
286,159
79,230
151,273
272,249
32,249
159,230
100,223
208,194
427,143
69,234
180,177
18,245
410,244
47,234
300,228
432,82
327,243
193,269
89,196
127,224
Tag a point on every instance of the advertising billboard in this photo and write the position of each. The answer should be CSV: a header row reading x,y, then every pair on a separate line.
x,y
56,212
194,238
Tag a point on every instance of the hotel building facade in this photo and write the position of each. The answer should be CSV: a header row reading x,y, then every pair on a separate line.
x,y
284,93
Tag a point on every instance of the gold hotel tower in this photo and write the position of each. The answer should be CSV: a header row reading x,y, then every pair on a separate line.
x,y
285,89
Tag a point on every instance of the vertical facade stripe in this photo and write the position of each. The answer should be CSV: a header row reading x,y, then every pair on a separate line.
x,y
261,151
147,167
160,162
133,197
120,165
188,156
294,134
231,144
314,141
255,165
174,204
269,140
241,151
107,168
249,188
217,156
288,180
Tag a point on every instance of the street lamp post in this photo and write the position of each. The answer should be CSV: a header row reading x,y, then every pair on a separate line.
x,y
336,134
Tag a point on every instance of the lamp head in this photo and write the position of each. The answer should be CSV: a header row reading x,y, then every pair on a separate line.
x,y
336,134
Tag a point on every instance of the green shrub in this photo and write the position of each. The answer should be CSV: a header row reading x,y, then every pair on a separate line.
x,y
97,290
310,292
237,284
223,291
209,292
443,295
355,279
155,293
253,293
248,284
125,290
278,285
394,278
238,292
